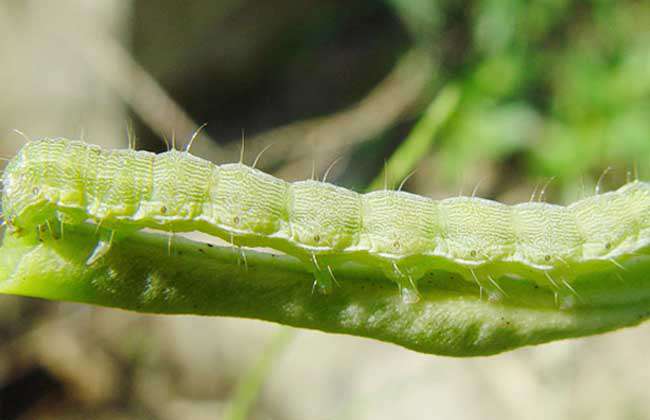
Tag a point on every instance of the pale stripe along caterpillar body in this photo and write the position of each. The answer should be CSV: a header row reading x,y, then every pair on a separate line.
x,y
324,225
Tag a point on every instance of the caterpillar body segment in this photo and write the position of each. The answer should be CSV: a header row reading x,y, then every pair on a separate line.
x,y
324,225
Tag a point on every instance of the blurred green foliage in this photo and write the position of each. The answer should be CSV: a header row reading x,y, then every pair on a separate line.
x,y
561,88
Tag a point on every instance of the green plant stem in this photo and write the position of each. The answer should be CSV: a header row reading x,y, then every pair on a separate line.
x,y
451,318
419,140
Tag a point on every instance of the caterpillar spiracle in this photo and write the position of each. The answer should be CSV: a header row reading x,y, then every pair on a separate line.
x,y
324,225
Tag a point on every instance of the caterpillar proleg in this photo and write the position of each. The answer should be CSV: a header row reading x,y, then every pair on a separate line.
x,y
324,225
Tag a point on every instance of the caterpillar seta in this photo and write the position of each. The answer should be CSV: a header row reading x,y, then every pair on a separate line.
x,y
324,225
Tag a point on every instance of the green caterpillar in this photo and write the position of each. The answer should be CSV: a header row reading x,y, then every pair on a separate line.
x,y
324,225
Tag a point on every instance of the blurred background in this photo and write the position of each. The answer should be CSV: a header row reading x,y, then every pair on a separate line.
x,y
503,98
